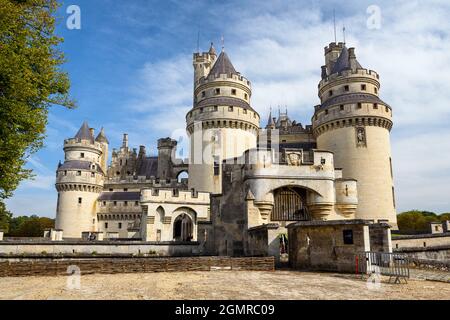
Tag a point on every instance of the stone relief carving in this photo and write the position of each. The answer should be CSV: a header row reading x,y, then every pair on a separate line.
x,y
294,158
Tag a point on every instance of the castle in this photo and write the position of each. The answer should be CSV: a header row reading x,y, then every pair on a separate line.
x,y
243,179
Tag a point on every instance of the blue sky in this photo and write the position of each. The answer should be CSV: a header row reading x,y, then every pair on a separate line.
x,y
130,68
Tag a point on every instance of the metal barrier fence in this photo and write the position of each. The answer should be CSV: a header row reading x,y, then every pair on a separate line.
x,y
394,265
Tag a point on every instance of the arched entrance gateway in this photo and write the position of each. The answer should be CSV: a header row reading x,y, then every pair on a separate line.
x,y
183,228
290,205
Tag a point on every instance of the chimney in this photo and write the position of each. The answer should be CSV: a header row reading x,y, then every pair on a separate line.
x,y
142,152
324,72
125,140
352,58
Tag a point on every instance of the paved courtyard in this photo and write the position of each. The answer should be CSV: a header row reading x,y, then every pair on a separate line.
x,y
219,285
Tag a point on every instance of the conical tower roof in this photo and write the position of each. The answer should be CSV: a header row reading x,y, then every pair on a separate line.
x,y
343,62
101,137
212,50
84,133
270,121
223,65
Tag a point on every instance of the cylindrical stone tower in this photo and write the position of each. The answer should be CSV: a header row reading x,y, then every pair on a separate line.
x,y
354,123
79,181
222,124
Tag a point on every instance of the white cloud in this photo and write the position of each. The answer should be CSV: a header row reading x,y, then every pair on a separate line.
x,y
281,52
278,46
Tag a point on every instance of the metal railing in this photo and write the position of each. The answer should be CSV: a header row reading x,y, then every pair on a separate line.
x,y
394,265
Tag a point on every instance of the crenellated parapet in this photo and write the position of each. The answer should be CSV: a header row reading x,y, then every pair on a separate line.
x,y
174,196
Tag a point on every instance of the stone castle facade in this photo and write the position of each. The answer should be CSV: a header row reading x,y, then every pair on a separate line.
x,y
244,180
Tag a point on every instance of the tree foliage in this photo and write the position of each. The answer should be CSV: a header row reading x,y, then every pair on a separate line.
x,y
31,80
33,226
5,218
416,221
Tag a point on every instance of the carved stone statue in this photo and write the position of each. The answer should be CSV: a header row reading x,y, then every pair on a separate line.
x,y
361,136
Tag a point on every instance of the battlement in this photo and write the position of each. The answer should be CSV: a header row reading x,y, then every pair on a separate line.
x,y
174,195
144,180
78,143
350,73
167,143
334,46
238,78
201,56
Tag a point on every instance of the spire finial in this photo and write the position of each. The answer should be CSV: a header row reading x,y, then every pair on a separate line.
x,y
223,43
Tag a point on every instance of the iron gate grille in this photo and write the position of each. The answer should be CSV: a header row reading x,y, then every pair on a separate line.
x,y
289,206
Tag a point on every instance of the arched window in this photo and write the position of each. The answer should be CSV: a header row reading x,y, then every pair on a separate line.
x,y
182,175
183,228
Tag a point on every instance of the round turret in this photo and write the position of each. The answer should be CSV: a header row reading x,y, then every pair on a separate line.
x,y
354,123
79,181
221,125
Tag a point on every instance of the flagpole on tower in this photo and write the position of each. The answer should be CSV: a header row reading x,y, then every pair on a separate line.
x,y
334,23
343,31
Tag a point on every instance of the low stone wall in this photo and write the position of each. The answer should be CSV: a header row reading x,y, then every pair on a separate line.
x,y
435,254
60,267
420,240
100,247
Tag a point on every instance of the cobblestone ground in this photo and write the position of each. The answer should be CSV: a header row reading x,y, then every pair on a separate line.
x,y
277,285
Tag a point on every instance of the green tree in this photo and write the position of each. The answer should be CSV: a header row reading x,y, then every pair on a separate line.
x,y
31,81
416,221
33,226
5,218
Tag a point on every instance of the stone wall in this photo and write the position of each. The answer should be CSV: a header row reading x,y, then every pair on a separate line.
x,y
332,245
420,241
103,247
436,254
60,267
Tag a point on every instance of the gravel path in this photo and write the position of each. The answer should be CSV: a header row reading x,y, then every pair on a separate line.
x,y
219,285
